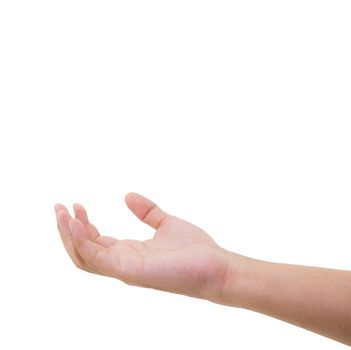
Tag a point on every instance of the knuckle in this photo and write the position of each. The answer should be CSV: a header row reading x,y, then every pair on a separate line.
x,y
79,264
149,213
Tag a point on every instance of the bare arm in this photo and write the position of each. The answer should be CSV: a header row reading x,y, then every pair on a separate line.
x,y
182,258
313,298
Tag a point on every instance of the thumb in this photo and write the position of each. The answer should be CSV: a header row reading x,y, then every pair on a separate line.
x,y
146,210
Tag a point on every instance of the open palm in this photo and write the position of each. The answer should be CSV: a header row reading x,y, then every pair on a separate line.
x,y
180,258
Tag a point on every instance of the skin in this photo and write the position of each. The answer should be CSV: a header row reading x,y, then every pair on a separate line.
x,y
182,258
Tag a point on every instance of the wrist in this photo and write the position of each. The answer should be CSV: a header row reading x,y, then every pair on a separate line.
x,y
241,281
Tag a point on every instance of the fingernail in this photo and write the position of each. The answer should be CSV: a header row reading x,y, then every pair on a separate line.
x,y
70,225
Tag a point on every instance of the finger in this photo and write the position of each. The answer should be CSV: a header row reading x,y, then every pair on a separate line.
x,y
82,215
93,233
146,210
95,255
63,217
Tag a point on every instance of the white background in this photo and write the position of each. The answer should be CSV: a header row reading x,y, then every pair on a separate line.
x,y
234,115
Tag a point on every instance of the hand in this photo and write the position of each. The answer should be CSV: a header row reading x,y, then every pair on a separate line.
x,y
180,258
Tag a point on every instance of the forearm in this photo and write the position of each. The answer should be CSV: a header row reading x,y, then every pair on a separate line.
x,y
314,298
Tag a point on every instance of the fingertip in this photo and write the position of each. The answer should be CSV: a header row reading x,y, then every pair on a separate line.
x,y
77,205
61,212
80,213
134,200
129,196
77,208
59,206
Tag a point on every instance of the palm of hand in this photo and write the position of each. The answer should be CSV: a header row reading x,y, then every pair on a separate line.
x,y
180,258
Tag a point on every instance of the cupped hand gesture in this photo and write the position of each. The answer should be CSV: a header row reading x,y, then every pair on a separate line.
x,y
180,258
